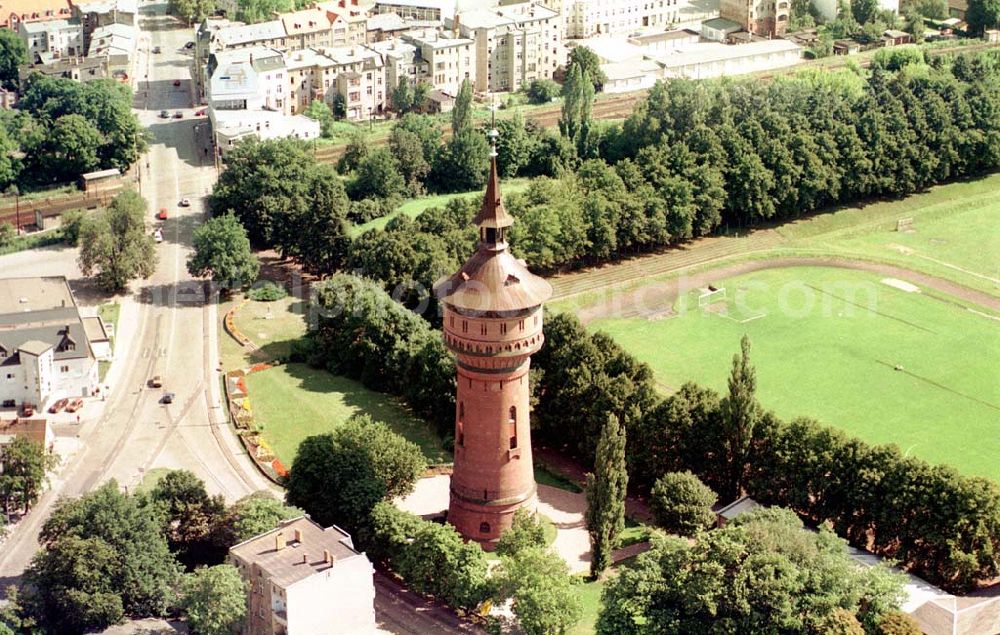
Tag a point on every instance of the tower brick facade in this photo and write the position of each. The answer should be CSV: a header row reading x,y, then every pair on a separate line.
x,y
493,324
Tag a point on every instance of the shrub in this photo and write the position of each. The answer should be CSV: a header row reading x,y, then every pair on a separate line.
x,y
525,532
542,91
267,291
897,623
682,504
7,234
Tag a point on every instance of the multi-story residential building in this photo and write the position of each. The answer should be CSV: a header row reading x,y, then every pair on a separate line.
x,y
310,76
45,350
247,79
79,69
402,60
104,13
49,40
309,27
384,26
515,44
353,13
305,580
429,10
766,18
202,40
16,12
360,78
450,60
270,34
586,18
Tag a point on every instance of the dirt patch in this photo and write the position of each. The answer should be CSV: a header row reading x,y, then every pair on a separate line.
x,y
644,300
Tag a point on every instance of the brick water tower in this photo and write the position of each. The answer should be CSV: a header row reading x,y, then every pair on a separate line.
x,y
493,323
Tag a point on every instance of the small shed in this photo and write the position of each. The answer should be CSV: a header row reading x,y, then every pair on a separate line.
x,y
35,430
895,37
719,29
846,47
100,181
439,102
992,35
736,508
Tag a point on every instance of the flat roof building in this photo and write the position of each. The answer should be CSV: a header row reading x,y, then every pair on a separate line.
x,y
305,580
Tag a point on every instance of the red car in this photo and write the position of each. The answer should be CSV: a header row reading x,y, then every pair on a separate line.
x,y
74,405
162,214
201,113
177,82
58,406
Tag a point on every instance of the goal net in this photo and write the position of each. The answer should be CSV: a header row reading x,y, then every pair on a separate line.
x,y
711,295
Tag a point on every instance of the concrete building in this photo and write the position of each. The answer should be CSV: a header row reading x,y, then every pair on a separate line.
x,y
430,10
16,12
353,13
305,580
450,60
116,42
653,43
49,40
105,13
79,69
311,27
587,18
766,18
719,29
229,127
361,78
712,59
202,41
384,26
246,79
493,324
45,353
37,431
402,60
270,34
515,44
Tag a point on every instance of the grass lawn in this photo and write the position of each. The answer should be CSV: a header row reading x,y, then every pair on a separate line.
x,y
273,325
826,345
151,477
294,401
635,532
954,232
590,597
108,312
417,206
545,477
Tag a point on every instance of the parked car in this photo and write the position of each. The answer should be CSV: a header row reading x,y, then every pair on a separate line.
x,y
185,202
178,115
164,114
201,113
189,45
158,235
177,82
74,405
9,403
156,49
156,382
58,406
27,409
168,397
162,214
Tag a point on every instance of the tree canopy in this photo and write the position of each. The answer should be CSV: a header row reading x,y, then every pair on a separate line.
x,y
25,468
213,599
114,246
759,574
339,477
222,251
13,53
682,504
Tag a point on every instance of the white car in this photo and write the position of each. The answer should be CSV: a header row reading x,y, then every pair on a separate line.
x,y
184,202
158,235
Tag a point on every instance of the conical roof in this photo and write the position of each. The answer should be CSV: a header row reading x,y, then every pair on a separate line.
x,y
492,212
493,280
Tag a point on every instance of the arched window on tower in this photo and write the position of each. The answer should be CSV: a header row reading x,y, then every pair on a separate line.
x,y
460,428
513,427
484,528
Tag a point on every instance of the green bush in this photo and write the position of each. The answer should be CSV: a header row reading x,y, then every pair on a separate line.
x,y
682,504
897,623
267,291
542,91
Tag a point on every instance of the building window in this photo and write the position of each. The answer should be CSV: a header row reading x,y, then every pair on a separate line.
x,y
503,328
484,528
465,326
482,329
513,427
64,369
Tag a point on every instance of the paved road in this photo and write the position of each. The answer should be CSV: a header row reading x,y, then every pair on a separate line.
x,y
166,327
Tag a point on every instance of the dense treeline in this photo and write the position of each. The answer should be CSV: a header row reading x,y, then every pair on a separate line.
x,y
943,525
693,157
64,128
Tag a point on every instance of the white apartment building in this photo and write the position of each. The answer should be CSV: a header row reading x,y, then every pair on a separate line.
x,y
52,39
450,60
587,18
310,76
271,34
515,44
353,13
305,580
45,351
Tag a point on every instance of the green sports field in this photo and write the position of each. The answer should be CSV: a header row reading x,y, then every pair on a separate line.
x,y
847,348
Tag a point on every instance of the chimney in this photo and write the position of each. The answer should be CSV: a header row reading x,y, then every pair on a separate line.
x,y
327,557
279,541
298,535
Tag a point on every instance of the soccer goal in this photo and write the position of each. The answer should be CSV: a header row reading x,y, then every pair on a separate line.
x,y
711,295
